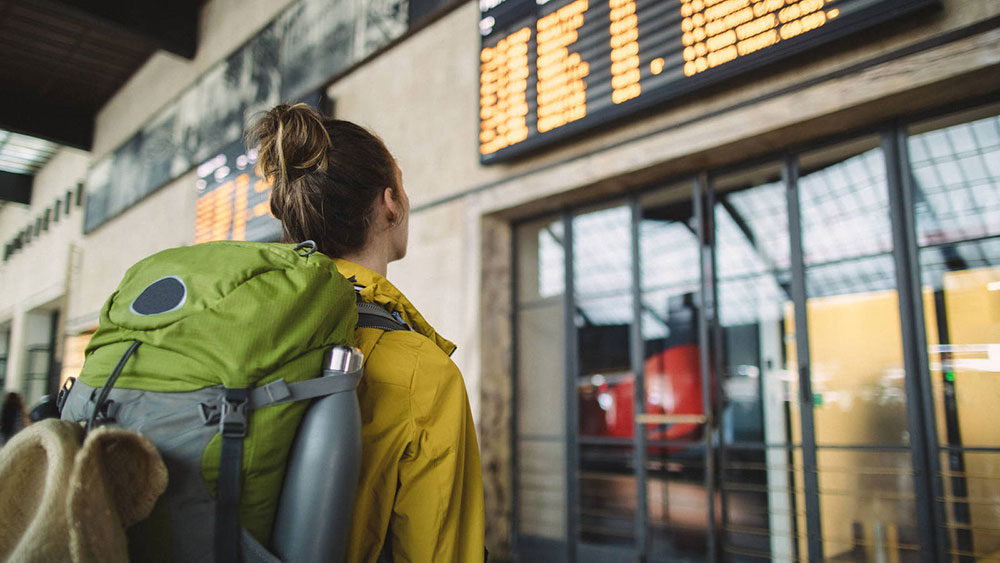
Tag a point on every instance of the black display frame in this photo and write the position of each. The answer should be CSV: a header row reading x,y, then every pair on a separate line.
x,y
508,11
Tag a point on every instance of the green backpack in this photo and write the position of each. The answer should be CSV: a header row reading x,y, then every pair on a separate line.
x,y
211,340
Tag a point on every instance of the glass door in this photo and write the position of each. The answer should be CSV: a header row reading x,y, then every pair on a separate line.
x,y
795,360
605,469
848,334
760,465
671,414
956,198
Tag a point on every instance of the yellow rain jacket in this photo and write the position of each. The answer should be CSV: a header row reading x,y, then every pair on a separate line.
x,y
421,483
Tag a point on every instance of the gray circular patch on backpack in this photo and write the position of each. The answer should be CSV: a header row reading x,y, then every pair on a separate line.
x,y
162,296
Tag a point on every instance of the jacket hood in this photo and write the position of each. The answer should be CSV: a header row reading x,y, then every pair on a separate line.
x,y
374,288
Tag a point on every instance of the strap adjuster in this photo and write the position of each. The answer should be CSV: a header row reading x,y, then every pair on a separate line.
x,y
67,386
233,418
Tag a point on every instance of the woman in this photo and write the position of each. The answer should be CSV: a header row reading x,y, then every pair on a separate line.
x,y
420,493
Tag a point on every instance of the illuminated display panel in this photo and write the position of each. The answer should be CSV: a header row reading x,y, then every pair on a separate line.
x,y
234,202
552,68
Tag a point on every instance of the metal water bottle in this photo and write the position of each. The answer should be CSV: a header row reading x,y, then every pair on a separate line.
x,y
317,499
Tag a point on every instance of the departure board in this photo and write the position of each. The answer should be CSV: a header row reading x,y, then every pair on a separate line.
x,y
554,68
234,202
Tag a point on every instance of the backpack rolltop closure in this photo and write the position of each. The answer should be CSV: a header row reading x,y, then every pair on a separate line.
x,y
225,329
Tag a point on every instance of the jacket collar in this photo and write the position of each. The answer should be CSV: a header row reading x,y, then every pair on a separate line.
x,y
374,288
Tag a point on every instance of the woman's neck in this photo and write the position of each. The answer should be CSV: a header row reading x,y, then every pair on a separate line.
x,y
372,257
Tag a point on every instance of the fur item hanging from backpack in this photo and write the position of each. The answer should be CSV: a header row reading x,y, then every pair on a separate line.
x,y
63,498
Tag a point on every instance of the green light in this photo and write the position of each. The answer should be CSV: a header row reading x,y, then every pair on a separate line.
x,y
949,376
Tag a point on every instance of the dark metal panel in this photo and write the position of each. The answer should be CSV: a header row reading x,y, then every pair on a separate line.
x,y
704,256
913,336
171,26
571,371
515,455
47,118
15,187
638,353
715,348
814,532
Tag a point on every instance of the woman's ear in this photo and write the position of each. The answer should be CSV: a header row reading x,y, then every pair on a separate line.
x,y
394,208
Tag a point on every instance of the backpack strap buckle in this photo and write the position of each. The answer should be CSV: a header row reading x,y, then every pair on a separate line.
x,y
233,418
64,393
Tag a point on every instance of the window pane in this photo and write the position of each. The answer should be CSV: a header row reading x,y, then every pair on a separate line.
x,y
856,360
540,260
956,183
971,497
758,384
542,488
678,504
956,179
602,278
602,251
670,274
541,389
867,504
765,516
855,340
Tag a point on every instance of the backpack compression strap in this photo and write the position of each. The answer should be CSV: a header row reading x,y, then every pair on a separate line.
x,y
233,427
236,406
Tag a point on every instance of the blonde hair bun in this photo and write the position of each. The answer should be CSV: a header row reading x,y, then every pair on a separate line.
x,y
291,139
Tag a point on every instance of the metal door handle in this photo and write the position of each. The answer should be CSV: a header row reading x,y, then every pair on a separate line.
x,y
671,419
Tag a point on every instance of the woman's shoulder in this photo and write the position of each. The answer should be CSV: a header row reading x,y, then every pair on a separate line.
x,y
406,358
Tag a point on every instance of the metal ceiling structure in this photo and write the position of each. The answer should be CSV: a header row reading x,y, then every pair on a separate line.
x,y
62,60
846,235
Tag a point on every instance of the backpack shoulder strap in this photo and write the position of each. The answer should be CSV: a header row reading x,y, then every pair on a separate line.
x,y
373,316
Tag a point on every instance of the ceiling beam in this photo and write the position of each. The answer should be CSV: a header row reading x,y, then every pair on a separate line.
x,y
15,187
171,26
47,119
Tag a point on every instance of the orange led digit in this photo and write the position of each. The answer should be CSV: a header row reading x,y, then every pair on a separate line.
x,y
503,103
624,28
561,92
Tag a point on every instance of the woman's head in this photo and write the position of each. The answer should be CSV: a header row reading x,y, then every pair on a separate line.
x,y
334,182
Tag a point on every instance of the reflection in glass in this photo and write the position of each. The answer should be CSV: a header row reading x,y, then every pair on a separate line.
x,y
880,523
541,389
602,252
677,502
855,340
760,490
758,384
541,257
956,171
856,355
602,283
956,185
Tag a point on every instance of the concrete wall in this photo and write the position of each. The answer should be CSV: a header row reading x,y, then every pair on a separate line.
x,y
34,278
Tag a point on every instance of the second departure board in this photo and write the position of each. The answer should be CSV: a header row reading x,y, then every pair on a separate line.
x,y
552,68
234,201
